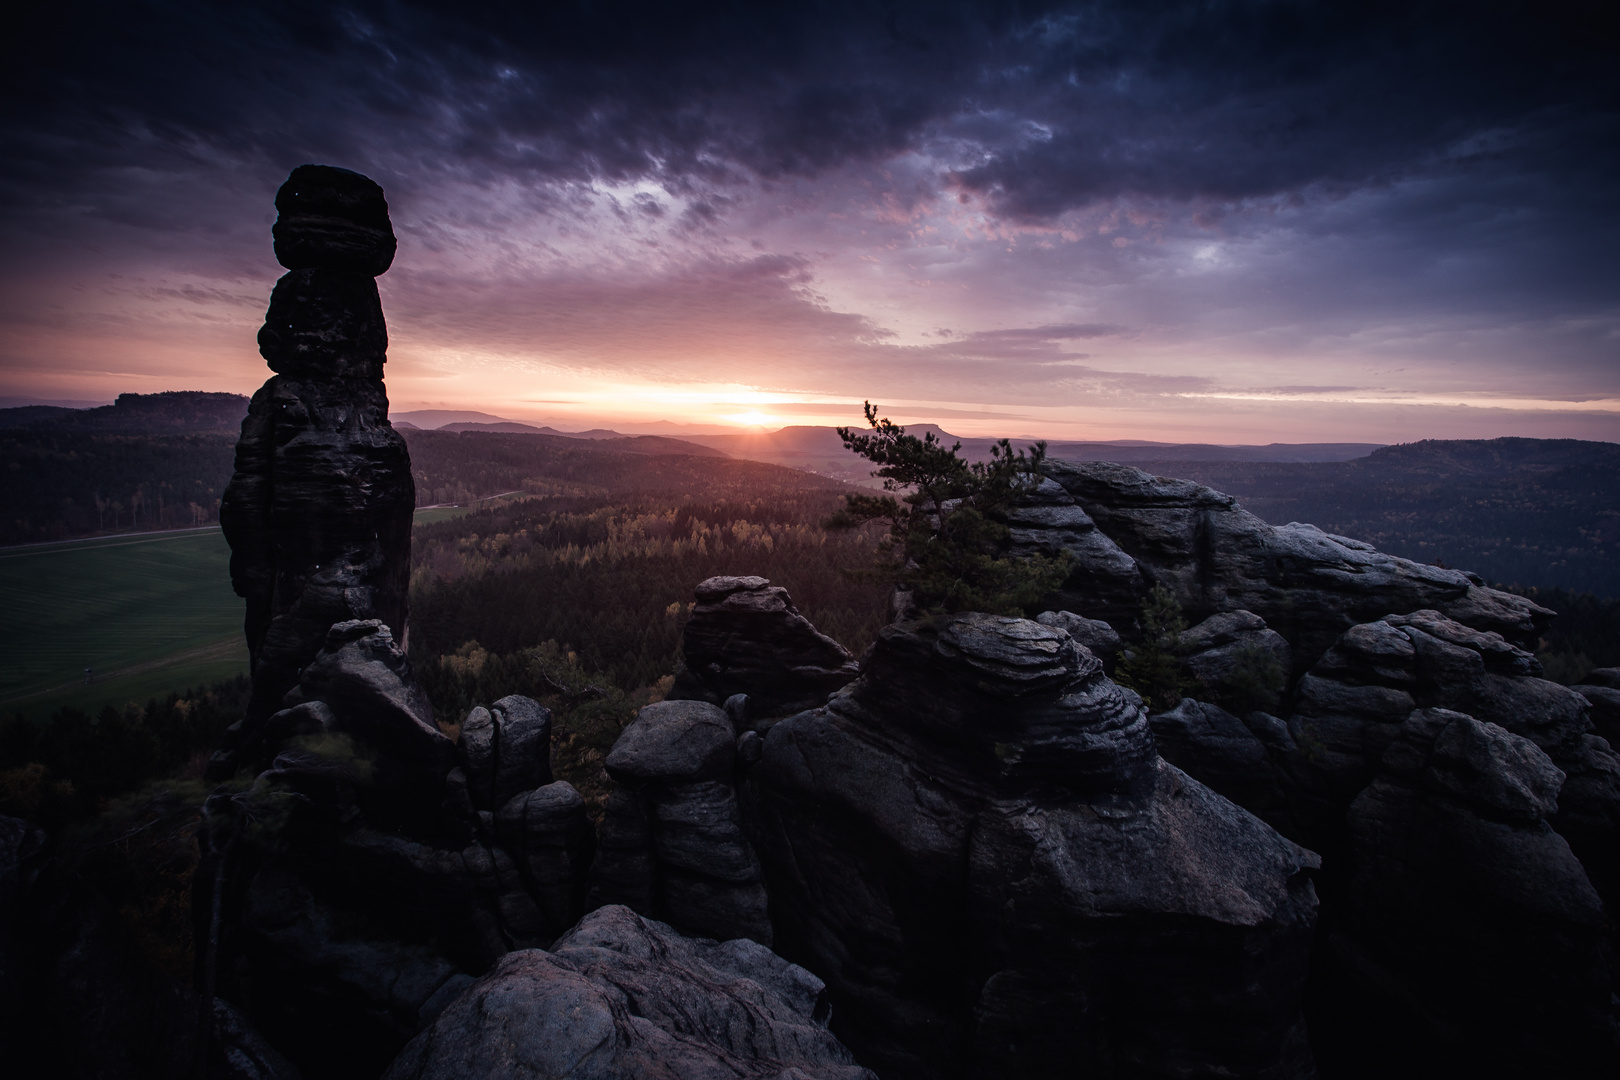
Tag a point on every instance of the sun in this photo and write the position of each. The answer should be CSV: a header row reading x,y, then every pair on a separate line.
x,y
753,418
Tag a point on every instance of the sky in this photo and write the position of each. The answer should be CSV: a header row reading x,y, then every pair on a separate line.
x,y
1213,222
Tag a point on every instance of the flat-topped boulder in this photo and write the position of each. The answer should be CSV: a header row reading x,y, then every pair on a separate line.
x,y
622,996
333,218
746,637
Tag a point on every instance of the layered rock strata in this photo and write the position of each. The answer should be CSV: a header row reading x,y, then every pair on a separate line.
x,y
623,996
318,513
379,867
978,848
1353,703
1130,530
746,637
1465,909
672,842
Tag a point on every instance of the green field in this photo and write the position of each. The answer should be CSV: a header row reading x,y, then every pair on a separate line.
x,y
148,614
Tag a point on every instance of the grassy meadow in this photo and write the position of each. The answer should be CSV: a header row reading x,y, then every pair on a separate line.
x,y
148,613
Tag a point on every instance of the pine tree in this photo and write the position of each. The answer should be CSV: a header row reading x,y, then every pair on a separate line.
x,y
1152,667
947,535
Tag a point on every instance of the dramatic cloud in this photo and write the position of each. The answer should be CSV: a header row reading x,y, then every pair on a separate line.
x,y
1232,221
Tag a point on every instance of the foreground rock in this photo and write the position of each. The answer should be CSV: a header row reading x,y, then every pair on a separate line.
x,y
1216,557
672,841
368,879
978,848
620,996
1353,703
1464,902
318,513
746,637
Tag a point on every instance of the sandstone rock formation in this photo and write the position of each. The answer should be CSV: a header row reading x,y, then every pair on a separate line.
x,y
1234,659
1601,689
1464,902
1245,759
622,996
746,637
1215,557
1352,704
1096,636
978,848
672,841
318,513
389,866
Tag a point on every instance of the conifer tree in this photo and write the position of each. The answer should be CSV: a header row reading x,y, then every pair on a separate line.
x,y
947,537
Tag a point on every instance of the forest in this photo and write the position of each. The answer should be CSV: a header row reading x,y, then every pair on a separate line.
x,y
575,591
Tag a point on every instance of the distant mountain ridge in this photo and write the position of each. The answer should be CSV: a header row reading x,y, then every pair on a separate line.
x,y
820,450
1543,512
171,412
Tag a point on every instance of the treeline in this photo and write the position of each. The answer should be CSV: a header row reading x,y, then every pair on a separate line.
x,y
611,581
70,766
1535,512
461,466
1585,635
62,483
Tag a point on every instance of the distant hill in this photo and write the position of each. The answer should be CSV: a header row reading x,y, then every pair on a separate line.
x,y
1542,512
819,450
624,444
463,466
27,415
187,412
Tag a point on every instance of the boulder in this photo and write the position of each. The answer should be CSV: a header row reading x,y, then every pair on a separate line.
x,y
1352,704
673,741
506,750
549,834
1469,914
1096,636
1234,660
1245,760
333,218
672,842
364,680
746,637
623,996
1311,585
977,847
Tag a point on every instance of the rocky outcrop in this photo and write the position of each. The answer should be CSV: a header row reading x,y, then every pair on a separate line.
x,y
978,848
1601,689
1094,635
1246,760
1468,912
623,996
672,841
1233,659
1308,585
376,867
318,513
1352,704
1105,583
746,637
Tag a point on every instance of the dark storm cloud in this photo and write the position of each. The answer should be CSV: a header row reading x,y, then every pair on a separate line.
x,y
1041,107
1170,186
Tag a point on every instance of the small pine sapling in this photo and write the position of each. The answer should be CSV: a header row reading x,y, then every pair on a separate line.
x,y
1152,666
